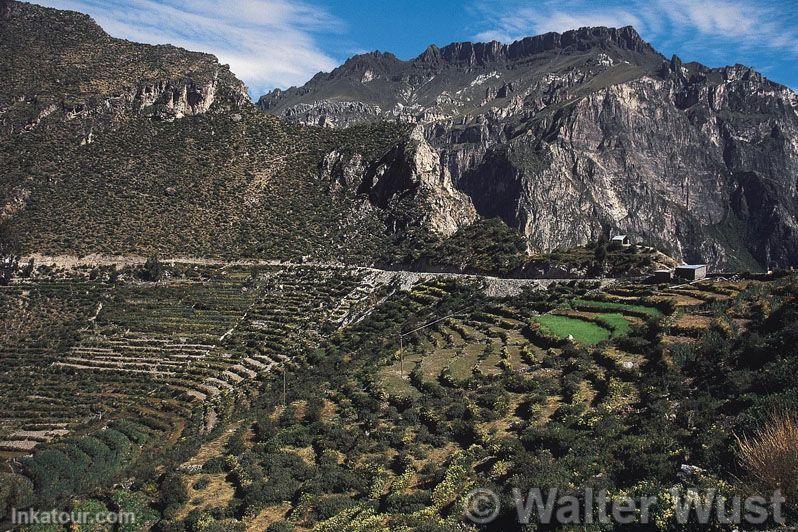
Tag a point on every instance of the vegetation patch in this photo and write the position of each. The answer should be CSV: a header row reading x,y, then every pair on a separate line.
x,y
584,332
634,310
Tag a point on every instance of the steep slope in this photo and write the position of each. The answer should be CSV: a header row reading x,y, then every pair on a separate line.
x,y
61,63
568,136
445,82
114,147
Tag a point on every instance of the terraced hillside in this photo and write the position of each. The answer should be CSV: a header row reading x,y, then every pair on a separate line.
x,y
85,348
271,378
487,392
285,388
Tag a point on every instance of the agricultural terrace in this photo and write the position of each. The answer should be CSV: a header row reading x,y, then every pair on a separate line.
x,y
392,439
80,350
547,382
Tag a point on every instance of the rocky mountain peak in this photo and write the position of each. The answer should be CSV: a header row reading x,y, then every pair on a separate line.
x,y
582,39
568,136
376,60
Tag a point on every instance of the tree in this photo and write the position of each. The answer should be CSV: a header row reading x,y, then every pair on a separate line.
x,y
16,491
8,253
173,494
600,256
152,271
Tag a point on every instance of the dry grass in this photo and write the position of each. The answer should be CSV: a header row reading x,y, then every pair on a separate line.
x,y
269,515
217,494
770,456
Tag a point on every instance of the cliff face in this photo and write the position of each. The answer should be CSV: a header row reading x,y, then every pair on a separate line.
x,y
61,66
108,146
409,183
113,146
568,136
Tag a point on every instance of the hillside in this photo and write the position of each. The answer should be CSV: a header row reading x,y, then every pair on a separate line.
x,y
117,147
122,148
234,396
219,319
569,136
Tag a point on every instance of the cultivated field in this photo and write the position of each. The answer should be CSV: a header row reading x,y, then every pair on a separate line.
x,y
276,395
78,351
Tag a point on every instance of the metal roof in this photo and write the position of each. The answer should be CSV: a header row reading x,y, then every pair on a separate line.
x,y
691,266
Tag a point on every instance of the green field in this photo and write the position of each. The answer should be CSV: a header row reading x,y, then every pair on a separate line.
x,y
618,323
609,305
584,332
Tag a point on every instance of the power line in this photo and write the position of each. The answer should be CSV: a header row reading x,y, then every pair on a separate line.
x,y
426,325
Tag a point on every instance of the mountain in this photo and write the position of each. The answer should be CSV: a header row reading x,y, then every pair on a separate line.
x,y
108,146
149,372
569,136
114,147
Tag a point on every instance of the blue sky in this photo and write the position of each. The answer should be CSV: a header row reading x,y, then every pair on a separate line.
x,y
279,43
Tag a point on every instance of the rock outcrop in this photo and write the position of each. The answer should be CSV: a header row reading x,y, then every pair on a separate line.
x,y
101,81
408,182
5,9
570,136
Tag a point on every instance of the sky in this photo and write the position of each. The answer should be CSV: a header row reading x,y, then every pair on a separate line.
x,y
281,43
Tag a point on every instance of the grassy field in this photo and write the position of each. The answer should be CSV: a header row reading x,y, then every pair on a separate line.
x,y
618,323
609,305
584,332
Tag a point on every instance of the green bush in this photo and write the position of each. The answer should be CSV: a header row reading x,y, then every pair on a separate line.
x,y
16,491
173,495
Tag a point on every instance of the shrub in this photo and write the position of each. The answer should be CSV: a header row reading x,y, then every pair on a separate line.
x,y
327,507
77,465
407,503
770,456
214,465
173,495
151,271
16,491
137,504
635,344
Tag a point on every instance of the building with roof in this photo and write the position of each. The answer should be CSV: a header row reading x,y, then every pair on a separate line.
x,y
623,240
663,276
692,272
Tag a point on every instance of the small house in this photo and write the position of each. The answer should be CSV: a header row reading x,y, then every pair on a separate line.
x,y
622,240
692,272
663,276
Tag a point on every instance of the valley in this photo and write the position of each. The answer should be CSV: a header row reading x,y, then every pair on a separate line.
x,y
355,304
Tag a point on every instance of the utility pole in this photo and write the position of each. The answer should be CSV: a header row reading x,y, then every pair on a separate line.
x,y
285,388
401,358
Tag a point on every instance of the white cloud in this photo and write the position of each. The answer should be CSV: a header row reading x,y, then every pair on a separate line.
x,y
517,20
518,23
267,43
701,25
